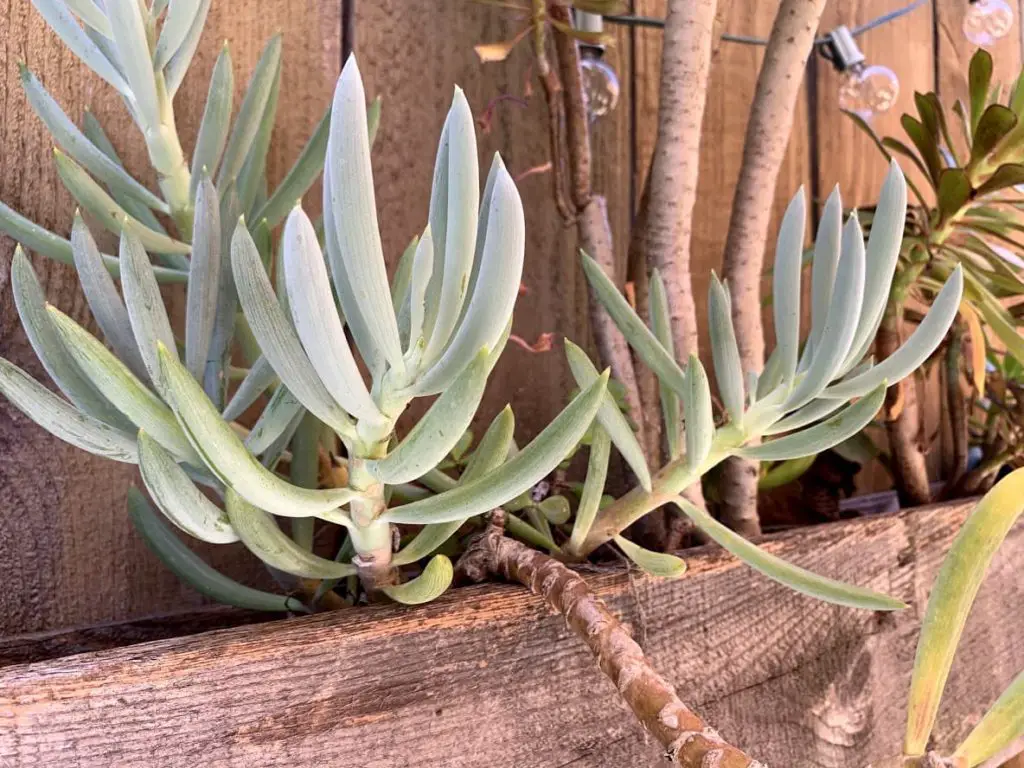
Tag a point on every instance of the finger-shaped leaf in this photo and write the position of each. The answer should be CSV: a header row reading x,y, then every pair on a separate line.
x,y
91,14
655,563
787,574
252,176
400,286
883,251
213,130
786,284
316,319
439,430
785,472
453,261
840,325
524,531
915,350
94,199
810,413
176,68
226,456
188,566
59,17
724,351
134,58
827,250
497,287
204,278
177,496
643,342
593,488
515,476
950,602
272,423
610,416
422,268
121,387
555,509
63,420
823,436
661,327
219,353
179,20
277,338
254,104
1003,723
497,167
437,220
299,178
75,143
31,303
429,585
700,421
355,214
997,319
259,378
262,536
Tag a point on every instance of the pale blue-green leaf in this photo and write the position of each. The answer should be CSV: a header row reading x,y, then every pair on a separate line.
x,y
808,414
593,488
176,68
400,285
252,175
260,377
354,210
661,327
437,220
274,421
180,18
915,350
317,322
226,456
659,564
133,56
277,338
1003,723
188,566
262,536
304,471
63,420
276,450
786,284
787,574
827,250
700,420
820,437
610,416
177,496
497,288
213,129
437,432
771,375
644,343
724,351
518,474
91,14
422,268
226,315
483,219
204,277
429,585
77,145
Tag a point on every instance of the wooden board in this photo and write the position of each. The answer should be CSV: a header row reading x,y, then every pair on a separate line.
x,y
67,552
487,676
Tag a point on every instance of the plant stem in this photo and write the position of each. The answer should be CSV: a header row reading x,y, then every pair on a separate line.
x,y
957,408
168,160
371,537
689,741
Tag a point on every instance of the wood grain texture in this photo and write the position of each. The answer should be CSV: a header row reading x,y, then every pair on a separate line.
x,y
486,676
68,555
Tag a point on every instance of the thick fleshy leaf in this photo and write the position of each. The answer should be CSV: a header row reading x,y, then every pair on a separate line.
x,y
316,319
661,327
91,14
204,278
700,420
134,58
63,420
122,388
75,143
515,476
188,566
429,585
355,215
213,130
786,284
226,456
181,15
724,351
177,496
810,413
996,318
277,338
915,350
950,602
954,191
787,574
827,251
400,285
422,268
610,416
593,488
497,287
820,437
655,563
259,378
555,509
437,432
1009,175
497,167
262,536
1003,723
299,178
644,343
785,472
176,68
280,412
979,77
251,179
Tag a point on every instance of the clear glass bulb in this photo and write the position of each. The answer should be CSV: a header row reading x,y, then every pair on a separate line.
x,y
868,91
600,84
987,21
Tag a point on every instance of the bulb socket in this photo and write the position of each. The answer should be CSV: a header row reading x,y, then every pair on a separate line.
x,y
842,50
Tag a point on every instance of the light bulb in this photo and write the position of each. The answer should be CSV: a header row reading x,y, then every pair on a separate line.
x,y
868,91
600,84
987,21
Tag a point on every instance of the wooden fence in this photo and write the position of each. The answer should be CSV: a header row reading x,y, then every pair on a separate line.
x,y
67,553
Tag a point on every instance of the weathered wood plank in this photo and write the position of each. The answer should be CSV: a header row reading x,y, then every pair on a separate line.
x,y
67,552
486,676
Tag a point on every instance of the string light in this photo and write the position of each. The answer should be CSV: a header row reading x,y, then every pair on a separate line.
x,y
600,82
987,21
